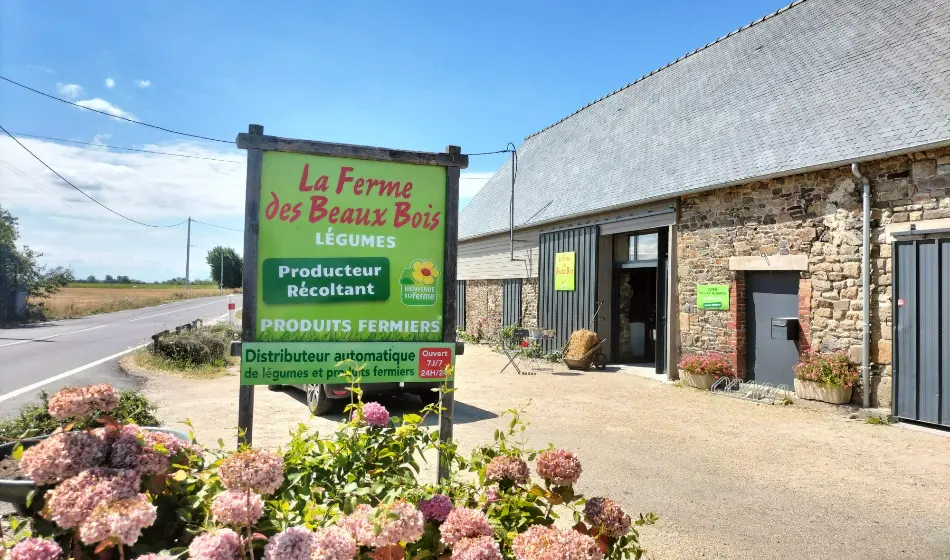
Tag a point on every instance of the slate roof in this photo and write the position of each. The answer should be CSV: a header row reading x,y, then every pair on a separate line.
x,y
816,83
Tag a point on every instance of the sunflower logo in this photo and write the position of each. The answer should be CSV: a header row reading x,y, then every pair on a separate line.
x,y
419,282
424,272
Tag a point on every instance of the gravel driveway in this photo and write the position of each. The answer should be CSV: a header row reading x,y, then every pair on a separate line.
x,y
729,479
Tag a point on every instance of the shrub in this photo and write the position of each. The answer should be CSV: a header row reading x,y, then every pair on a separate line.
x,y
35,419
831,370
707,364
205,345
356,492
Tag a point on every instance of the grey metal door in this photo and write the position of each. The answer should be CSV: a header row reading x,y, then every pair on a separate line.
x,y
922,331
511,302
772,357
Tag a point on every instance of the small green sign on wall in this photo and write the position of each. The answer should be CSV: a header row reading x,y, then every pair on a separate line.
x,y
712,296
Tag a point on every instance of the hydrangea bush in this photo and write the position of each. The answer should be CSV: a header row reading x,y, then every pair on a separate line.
x,y
118,491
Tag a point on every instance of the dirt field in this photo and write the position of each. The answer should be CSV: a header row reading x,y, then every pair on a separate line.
x,y
77,302
729,479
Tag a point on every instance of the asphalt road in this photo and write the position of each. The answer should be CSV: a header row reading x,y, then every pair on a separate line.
x,y
53,355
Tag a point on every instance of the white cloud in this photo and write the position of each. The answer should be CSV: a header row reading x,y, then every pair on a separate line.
x,y
71,230
69,91
100,104
143,83
99,139
40,68
110,83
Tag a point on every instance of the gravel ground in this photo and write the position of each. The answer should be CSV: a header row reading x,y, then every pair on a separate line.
x,y
729,479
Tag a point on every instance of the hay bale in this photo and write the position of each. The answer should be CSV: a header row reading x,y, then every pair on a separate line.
x,y
581,341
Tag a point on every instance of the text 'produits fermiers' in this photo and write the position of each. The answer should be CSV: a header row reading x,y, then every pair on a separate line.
x,y
346,325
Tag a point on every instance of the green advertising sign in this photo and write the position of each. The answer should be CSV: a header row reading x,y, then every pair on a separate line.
x,y
350,250
712,296
271,363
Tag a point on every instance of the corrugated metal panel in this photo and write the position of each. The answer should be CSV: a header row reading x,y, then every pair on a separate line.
x,y
489,258
460,304
511,302
567,311
922,331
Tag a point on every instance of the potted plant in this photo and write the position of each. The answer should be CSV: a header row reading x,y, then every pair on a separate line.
x,y
702,370
825,377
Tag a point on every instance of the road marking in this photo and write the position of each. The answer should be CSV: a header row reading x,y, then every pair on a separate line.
x,y
25,340
173,311
64,375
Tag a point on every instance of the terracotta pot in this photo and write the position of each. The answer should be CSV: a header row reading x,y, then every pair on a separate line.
x,y
824,393
700,381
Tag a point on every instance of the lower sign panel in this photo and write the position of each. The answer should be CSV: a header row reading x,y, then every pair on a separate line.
x,y
292,363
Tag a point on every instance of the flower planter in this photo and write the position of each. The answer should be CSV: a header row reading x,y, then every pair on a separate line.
x,y
824,393
15,491
698,380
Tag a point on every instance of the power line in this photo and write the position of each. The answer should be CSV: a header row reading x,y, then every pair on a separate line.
x,y
111,115
216,226
80,190
19,172
122,148
505,151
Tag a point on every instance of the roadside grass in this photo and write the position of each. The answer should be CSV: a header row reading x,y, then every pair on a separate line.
x,y
878,421
144,359
82,301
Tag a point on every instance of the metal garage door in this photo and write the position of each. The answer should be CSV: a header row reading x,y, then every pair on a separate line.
x,y
567,310
511,302
922,330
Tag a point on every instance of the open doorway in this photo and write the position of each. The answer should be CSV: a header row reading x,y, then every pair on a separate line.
x,y
636,315
634,298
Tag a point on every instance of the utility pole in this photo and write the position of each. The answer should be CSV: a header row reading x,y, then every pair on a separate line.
x,y
221,283
188,255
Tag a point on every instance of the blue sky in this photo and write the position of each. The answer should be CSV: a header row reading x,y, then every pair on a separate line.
x,y
414,75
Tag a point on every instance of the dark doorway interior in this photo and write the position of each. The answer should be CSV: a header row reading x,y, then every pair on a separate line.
x,y
635,312
771,296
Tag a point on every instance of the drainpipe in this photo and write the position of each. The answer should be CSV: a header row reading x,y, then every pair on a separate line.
x,y
865,289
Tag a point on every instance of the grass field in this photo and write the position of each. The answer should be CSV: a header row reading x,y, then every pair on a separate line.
x,y
179,287
77,301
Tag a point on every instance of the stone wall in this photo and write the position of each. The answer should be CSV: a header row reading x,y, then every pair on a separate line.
x,y
483,307
817,215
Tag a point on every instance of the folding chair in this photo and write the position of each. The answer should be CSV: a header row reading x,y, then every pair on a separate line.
x,y
518,349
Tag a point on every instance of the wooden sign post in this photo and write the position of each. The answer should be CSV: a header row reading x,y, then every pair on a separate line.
x,y
349,256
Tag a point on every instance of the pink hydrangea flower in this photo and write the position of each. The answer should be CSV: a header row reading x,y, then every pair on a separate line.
x,y
235,507
72,402
607,515
375,414
62,456
74,499
481,548
505,467
436,508
220,544
386,525
295,543
146,451
332,543
252,469
559,467
544,543
123,519
36,549
465,523
492,494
